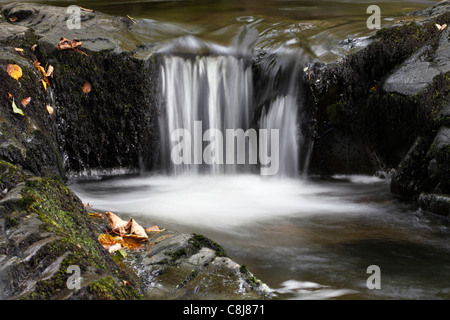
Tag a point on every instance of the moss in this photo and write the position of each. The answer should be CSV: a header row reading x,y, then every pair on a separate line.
x,y
63,214
108,289
10,175
199,241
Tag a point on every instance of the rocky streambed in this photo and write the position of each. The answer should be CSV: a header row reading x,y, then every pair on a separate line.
x,y
381,109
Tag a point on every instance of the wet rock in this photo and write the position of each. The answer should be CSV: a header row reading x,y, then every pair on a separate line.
x,y
97,31
418,72
436,203
190,266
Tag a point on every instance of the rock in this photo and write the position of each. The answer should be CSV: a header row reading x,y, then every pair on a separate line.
x,y
418,72
435,203
97,31
190,266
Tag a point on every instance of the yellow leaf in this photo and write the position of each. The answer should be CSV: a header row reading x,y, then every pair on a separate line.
x,y
14,71
44,84
15,109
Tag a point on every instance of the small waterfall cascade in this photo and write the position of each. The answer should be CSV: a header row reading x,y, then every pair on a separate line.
x,y
208,119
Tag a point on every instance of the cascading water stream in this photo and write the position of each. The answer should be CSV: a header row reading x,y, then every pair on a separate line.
x,y
204,93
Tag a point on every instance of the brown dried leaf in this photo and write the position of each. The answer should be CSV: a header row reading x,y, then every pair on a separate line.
x,y
65,44
19,50
153,229
49,71
116,224
87,87
136,229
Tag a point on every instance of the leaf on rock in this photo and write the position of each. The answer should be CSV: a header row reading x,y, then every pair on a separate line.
x,y
19,50
65,44
25,101
16,110
14,71
49,71
109,243
9,95
44,84
116,224
96,215
136,229
49,109
153,229
130,229
87,87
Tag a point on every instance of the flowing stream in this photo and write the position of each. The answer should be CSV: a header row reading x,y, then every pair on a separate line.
x,y
306,238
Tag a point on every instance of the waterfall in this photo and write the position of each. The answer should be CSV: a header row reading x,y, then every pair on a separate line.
x,y
202,97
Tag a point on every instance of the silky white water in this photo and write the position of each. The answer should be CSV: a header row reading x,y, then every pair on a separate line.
x,y
307,239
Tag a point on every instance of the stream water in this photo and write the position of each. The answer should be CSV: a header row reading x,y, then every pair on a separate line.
x,y
304,237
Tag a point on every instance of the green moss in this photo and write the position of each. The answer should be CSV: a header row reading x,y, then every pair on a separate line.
x,y
108,289
10,175
199,241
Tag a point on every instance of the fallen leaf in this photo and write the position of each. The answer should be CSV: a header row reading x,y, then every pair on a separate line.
x,y
34,47
109,243
88,10
87,87
125,283
131,229
87,205
65,44
9,95
131,19
49,71
49,109
44,84
96,215
136,229
122,253
116,224
25,101
154,229
15,109
13,19
14,71
19,50
439,27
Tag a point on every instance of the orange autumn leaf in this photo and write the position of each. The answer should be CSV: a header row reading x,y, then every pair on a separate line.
x,y
9,95
13,19
25,101
14,71
87,87
109,243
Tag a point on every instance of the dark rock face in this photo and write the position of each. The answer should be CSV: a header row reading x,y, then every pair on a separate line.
x,y
113,126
